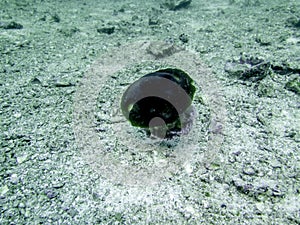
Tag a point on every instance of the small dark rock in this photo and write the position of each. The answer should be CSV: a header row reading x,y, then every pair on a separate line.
x,y
184,38
58,185
43,18
121,10
36,80
248,68
177,5
106,30
63,84
223,206
116,12
55,18
245,188
11,25
293,22
293,85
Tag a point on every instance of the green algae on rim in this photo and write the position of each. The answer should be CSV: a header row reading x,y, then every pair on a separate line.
x,y
120,152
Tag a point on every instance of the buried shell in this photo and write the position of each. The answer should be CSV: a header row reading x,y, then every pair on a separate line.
x,y
158,100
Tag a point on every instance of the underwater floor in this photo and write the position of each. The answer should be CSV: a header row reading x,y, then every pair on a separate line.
x,y
70,156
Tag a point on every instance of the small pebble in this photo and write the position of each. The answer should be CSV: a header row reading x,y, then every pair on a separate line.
x,y
106,30
184,38
14,178
21,159
11,25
